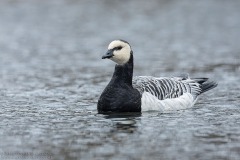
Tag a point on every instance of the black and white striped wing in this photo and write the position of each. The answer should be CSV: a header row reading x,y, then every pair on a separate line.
x,y
165,88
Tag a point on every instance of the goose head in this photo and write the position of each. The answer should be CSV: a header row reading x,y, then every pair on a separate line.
x,y
119,51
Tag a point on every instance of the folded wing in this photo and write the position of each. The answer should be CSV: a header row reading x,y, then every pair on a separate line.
x,y
167,88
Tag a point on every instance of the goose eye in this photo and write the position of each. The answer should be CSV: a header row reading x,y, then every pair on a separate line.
x,y
118,48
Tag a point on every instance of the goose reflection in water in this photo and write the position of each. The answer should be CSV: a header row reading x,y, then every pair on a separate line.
x,y
123,122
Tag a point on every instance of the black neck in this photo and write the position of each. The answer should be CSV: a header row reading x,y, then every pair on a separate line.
x,y
124,73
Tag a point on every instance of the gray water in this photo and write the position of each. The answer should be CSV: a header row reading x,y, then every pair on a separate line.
x,y
51,75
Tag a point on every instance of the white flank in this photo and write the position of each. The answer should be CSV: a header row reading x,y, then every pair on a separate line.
x,y
152,103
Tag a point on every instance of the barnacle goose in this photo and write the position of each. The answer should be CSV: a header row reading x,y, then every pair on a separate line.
x,y
126,93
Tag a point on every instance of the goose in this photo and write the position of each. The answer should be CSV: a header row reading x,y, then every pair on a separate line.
x,y
125,93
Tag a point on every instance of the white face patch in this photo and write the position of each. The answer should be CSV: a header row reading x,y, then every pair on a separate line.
x,y
122,55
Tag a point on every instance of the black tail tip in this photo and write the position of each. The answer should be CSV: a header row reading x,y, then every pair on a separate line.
x,y
208,85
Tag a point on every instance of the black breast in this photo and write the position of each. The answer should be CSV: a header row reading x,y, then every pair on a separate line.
x,y
119,98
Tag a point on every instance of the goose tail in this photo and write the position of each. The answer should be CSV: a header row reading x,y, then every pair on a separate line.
x,y
206,84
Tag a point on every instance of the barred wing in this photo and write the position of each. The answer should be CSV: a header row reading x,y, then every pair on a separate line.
x,y
165,88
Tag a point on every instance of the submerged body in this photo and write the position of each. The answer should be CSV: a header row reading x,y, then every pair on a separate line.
x,y
145,93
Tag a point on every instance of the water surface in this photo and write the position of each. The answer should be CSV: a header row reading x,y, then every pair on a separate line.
x,y
51,75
